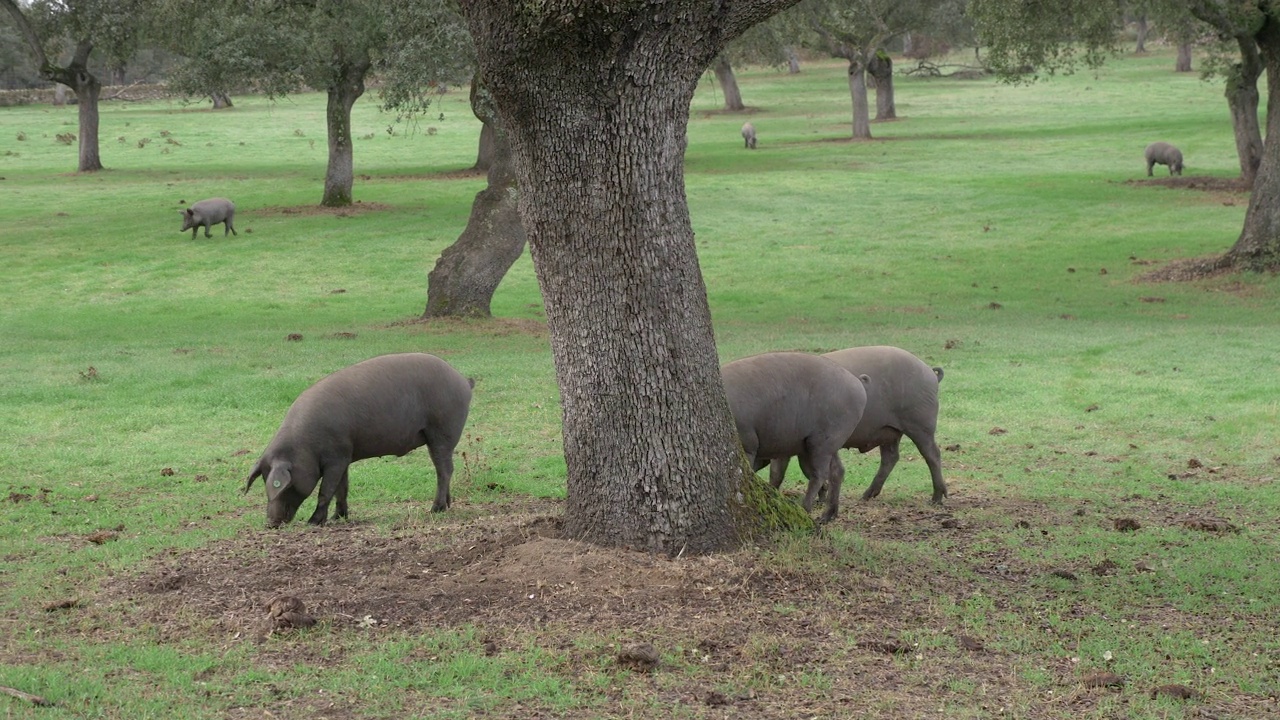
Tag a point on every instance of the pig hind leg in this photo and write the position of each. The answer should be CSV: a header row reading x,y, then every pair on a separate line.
x,y
888,459
928,448
228,226
340,498
442,458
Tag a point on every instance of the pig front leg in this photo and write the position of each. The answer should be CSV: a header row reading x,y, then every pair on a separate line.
x,y
334,475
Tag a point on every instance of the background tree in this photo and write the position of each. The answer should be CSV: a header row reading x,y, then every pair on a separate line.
x,y
764,44
858,31
110,26
595,97
1049,34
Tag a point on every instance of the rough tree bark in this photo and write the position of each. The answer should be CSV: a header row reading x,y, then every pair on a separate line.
x,y
595,98
858,91
880,67
728,84
339,178
469,271
1242,99
1183,62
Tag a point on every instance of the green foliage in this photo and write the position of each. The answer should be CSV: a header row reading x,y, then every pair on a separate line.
x,y
1024,39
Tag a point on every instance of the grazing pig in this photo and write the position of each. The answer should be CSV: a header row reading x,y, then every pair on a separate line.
x,y
902,399
387,405
208,213
794,404
749,136
1162,153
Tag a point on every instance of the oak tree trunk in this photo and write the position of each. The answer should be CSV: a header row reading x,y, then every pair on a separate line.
x,y
487,147
469,271
87,89
221,100
858,91
1183,63
1258,247
596,104
793,60
1142,27
1242,99
728,84
881,68
339,178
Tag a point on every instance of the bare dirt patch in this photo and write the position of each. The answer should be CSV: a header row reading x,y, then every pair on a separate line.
x,y
733,631
497,327
1192,182
359,207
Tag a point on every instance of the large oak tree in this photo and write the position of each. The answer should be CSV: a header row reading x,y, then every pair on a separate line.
x,y
594,95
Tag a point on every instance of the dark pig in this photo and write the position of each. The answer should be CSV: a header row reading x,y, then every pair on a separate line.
x,y
902,399
795,404
749,136
1162,153
387,405
208,213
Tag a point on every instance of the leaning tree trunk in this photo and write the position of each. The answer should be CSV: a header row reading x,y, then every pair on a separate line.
x,y
1258,247
221,99
729,84
1183,63
339,178
881,68
469,271
858,91
1142,27
596,104
1242,99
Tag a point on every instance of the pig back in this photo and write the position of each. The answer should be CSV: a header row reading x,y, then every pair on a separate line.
x,y
387,405
902,392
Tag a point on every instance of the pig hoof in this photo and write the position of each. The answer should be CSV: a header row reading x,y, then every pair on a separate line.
x,y
938,500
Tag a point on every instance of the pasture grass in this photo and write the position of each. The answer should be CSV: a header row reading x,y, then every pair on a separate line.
x,y
997,231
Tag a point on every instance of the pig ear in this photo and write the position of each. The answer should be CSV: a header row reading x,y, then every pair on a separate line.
x,y
865,380
279,479
189,212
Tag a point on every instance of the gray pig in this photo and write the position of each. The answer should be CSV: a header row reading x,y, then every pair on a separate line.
x,y
902,399
749,136
208,213
387,405
795,404
1162,153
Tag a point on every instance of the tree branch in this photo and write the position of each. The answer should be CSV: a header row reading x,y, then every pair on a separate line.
x,y
28,32
740,15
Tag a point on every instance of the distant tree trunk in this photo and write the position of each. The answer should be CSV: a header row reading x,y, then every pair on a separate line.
x,y
1258,247
1242,98
880,67
59,95
728,84
339,178
1183,63
117,75
470,270
908,44
221,99
858,91
87,90
793,60
1142,28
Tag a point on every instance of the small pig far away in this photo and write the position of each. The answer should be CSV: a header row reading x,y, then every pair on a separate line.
x,y
208,213
387,405
791,404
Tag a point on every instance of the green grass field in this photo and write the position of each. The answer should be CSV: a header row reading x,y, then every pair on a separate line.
x,y
996,231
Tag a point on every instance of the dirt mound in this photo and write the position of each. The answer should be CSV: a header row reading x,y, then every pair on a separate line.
x,y
1195,182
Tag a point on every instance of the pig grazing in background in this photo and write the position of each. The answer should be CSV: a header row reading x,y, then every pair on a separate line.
x,y
387,405
795,404
749,136
902,399
1162,153
208,213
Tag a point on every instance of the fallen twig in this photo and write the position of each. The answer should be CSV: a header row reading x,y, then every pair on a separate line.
x,y
33,699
